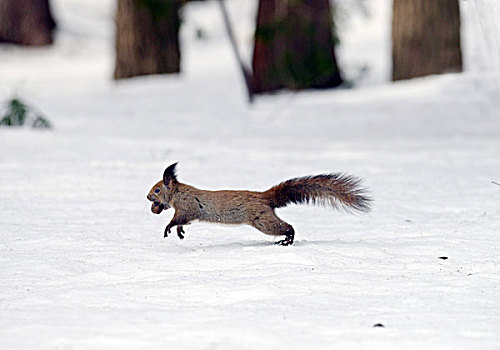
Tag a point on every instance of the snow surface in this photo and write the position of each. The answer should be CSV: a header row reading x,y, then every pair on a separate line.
x,y
83,261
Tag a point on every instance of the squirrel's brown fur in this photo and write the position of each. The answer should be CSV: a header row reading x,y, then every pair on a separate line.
x,y
254,208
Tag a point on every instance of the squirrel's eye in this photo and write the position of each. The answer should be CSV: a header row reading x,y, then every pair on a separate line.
x,y
157,190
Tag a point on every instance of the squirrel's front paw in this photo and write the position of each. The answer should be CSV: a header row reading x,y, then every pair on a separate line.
x,y
167,231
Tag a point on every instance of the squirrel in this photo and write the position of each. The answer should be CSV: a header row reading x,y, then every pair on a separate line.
x,y
253,208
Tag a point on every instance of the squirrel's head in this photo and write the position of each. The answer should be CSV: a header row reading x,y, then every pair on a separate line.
x,y
162,191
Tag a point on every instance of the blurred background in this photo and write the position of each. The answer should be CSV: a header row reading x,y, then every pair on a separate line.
x,y
276,44
97,97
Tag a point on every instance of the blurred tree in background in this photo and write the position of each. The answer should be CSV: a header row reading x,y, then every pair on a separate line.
x,y
26,22
294,46
147,37
294,43
425,38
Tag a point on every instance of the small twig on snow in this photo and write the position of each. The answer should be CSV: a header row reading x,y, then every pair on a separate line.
x,y
495,183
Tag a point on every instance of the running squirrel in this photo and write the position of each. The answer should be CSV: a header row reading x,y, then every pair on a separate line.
x,y
256,209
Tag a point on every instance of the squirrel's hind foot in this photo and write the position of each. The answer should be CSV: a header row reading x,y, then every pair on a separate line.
x,y
287,241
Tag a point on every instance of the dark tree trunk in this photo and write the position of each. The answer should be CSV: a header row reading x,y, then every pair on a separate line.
x,y
294,46
425,38
26,22
147,37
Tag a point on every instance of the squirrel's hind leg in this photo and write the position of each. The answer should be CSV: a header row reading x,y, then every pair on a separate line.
x,y
270,224
180,231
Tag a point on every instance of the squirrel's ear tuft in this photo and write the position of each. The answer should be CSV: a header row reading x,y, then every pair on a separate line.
x,y
169,175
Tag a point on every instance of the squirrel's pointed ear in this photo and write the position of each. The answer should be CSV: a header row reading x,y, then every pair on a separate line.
x,y
169,175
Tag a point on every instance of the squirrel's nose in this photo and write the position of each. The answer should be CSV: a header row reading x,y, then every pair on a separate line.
x,y
149,197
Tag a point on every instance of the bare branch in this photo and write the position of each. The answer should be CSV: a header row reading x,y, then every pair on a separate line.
x,y
247,75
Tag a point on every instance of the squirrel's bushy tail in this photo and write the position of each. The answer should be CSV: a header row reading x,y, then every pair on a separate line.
x,y
341,191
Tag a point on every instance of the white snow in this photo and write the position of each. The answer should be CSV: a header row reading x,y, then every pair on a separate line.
x,y
83,261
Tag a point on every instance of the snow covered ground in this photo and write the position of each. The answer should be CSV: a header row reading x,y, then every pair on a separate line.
x,y
83,262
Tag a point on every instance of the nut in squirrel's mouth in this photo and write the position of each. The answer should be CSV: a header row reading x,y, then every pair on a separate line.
x,y
157,207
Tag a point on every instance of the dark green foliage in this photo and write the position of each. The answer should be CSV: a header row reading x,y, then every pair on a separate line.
x,y
16,113
289,27
266,33
160,9
41,122
19,114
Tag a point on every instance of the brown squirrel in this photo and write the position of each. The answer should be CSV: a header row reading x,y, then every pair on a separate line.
x,y
254,208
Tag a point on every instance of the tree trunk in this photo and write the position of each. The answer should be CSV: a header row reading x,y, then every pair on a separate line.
x,y
147,37
425,38
26,22
294,46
